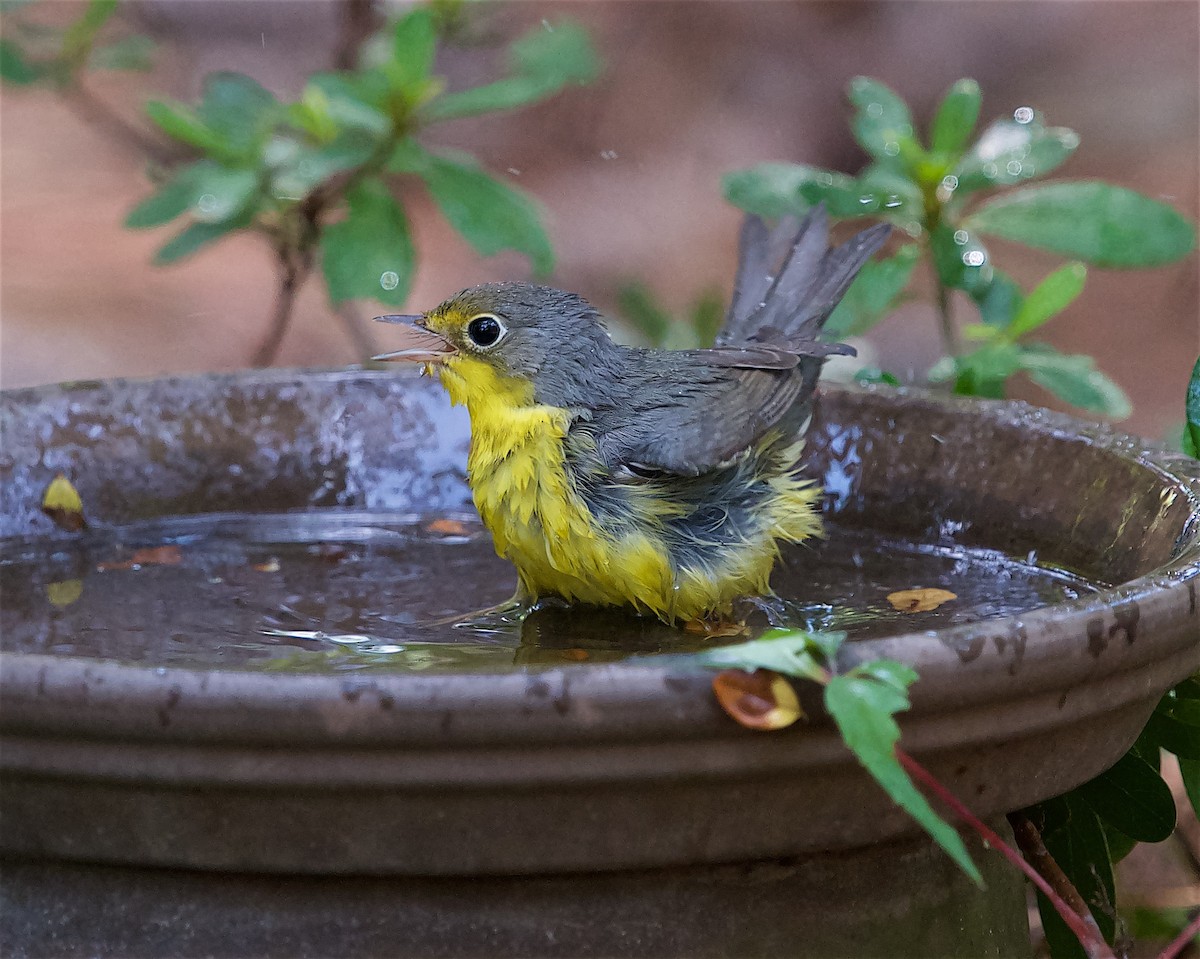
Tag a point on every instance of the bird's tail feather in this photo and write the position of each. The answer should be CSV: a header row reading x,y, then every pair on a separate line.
x,y
789,279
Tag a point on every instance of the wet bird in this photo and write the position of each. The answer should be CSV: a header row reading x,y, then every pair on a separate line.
x,y
659,480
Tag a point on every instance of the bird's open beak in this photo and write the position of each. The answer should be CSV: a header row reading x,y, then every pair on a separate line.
x,y
417,343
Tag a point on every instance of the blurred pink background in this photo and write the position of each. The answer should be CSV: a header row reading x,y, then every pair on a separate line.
x,y
628,170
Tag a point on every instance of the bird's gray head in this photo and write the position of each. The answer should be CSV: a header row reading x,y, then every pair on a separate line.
x,y
552,338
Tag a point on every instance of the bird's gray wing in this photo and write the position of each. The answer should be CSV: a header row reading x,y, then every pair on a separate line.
x,y
704,409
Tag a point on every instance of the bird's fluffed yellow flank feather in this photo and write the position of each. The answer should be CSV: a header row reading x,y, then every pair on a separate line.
x,y
527,497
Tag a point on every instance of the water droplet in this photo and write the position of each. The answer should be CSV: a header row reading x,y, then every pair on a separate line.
x,y
514,171
608,154
1023,114
825,179
961,237
950,183
867,199
207,203
892,202
1013,167
1069,139
389,279
874,109
891,148
990,170
547,25
974,258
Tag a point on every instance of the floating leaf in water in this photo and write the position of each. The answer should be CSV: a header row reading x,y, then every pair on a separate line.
x,y
270,566
759,700
920,600
169,555
62,504
65,592
716,630
447,527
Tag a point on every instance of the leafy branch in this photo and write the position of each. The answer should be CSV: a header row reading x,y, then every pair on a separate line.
x,y
946,194
317,177
1069,843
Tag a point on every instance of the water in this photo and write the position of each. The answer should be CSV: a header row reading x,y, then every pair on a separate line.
x,y
333,590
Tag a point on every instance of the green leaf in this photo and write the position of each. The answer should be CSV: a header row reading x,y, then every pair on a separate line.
x,y
1175,726
370,253
542,62
239,110
1119,845
873,374
490,215
863,708
790,652
983,372
882,124
1193,409
873,293
211,192
1013,150
1081,850
194,237
1050,297
172,199
296,170
638,306
81,34
1075,379
885,193
961,260
414,43
1133,797
707,316
1105,225
998,299
129,53
14,67
349,101
956,116
180,122
773,190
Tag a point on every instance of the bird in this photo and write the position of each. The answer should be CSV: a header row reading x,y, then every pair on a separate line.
x,y
659,481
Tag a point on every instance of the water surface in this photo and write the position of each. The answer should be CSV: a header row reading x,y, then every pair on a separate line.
x,y
346,591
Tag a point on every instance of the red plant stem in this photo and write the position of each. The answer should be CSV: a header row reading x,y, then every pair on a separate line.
x,y
1182,940
1085,931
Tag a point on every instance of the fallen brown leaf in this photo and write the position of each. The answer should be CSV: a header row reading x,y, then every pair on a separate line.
x,y
447,527
62,504
762,699
716,630
920,600
170,555
270,566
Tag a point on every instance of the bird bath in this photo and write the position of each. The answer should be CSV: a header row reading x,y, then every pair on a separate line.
x,y
252,740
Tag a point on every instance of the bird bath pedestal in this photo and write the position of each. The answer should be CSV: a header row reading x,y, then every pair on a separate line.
x,y
573,809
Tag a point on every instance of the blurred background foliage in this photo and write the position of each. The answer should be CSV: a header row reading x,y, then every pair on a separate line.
x,y
632,121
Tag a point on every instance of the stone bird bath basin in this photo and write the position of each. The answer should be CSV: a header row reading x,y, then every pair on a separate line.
x,y
548,806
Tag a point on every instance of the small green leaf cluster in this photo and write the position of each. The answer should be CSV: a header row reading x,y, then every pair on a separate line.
x,y
316,175
946,194
37,54
642,311
1096,825
863,702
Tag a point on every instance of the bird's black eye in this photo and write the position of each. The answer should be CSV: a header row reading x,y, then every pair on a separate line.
x,y
485,330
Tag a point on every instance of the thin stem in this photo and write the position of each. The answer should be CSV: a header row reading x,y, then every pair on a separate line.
x,y
358,21
1183,940
100,115
950,342
364,344
293,271
1085,929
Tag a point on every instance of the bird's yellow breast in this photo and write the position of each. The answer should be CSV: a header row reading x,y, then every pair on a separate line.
x,y
527,498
